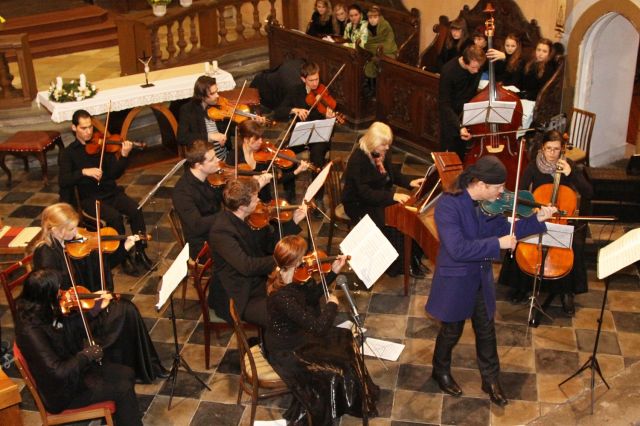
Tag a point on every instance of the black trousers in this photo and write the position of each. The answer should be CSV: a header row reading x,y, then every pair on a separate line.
x,y
256,311
317,156
486,344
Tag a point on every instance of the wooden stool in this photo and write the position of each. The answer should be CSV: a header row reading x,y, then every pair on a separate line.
x,y
25,143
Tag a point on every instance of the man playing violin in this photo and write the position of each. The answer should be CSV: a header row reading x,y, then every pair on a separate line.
x,y
81,171
241,255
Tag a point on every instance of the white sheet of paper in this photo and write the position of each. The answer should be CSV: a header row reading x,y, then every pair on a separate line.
x,y
317,183
348,325
371,252
173,277
320,131
619,254
479,112
382,349
279,422
557,235
25,236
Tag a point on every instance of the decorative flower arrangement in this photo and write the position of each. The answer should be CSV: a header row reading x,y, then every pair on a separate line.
x,y
72,91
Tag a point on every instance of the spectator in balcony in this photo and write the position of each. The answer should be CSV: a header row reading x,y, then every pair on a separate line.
x,y
455,43
339,19
380,35
321,20
356,31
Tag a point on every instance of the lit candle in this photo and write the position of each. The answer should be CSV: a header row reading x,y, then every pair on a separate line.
x,y
207,68
58,83
83,81
214,66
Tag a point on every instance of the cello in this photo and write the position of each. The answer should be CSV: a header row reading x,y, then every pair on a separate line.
x,y
496,139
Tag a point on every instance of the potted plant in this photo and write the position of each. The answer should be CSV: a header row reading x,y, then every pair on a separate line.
x,y
159,6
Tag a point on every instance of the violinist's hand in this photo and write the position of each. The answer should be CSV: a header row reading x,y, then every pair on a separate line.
x,y
263,179
301,113
93,352
131,241
127,146
546,212
564,166
260,119
93,172
333,299
339,263
401,198
304,165
217,137
416,183
105,298
300,213
464,134
330,113
508,242
496,55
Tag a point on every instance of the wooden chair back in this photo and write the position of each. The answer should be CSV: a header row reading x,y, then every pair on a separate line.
x,y
580,132
12,278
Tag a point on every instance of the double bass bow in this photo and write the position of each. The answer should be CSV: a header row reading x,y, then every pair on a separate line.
x,y
496,139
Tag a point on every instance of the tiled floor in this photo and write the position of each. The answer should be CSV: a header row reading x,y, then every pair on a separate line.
x,y
533,361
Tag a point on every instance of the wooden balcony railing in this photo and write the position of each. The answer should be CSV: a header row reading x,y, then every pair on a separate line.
x,y
205,30
10,97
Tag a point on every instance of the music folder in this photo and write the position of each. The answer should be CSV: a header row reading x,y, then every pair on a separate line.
x,y
498,112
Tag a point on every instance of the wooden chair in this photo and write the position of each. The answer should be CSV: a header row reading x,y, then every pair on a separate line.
x,y
93,411
580,132
336,209
176,229
255,371
12,278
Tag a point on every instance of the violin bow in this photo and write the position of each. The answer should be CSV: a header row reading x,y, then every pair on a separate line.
x,y
104,138
235,107
100,255
515,198
326,87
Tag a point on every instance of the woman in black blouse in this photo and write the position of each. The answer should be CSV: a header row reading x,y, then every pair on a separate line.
x,y
321,23
539,172
319,363
455,43
510,63
538,70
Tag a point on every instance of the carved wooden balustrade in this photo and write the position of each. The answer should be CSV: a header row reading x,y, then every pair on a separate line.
x,y
10,97
197,33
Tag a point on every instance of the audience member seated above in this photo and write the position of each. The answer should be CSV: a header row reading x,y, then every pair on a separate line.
x,y
509,62
538,70
321,20
356,31
455,43
339,19
380,35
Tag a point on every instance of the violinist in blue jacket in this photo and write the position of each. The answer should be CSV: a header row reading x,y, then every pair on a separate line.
x,y
463,285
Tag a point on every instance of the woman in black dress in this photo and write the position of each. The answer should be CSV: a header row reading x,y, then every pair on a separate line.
x,y
67,375
320,364
538,70
321,23
539,172
455,43
509,63
119,329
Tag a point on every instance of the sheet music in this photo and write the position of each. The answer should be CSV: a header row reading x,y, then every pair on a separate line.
x,y
4,230
349,325
173,277
371,253
317,183
481,112
320,130
25,236
619,254
279,422
557,235
382,349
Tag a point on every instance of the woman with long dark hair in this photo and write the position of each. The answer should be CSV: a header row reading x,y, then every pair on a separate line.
x,y
538,70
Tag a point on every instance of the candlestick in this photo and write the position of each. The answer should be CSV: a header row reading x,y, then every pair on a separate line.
x,y
58,83
214,66
83,81
207,68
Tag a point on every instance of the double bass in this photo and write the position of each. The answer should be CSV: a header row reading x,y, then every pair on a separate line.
x,y
496,139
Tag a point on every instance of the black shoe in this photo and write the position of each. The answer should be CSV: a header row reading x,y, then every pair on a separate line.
x,y
495,393
416,272
160,372
534,322
142,260
567,304
447,384
129,267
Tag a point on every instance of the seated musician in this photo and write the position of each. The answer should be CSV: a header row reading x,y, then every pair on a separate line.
x,y
368,188
540,172
459,80
380,35
509,63
462,285
295,103
250,133
81,170
242,255
67,375
456,41
356,31
321,23
195,200
538,70
120,329
319,363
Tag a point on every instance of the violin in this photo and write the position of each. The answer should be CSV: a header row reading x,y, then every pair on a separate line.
x,y
285,159
265,213
113,144
326,101
227,172
86,241
309,266
504,203
84,300
224,110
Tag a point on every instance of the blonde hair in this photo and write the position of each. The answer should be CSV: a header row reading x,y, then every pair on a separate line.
x,y
377,134
56,216
329,10
287,254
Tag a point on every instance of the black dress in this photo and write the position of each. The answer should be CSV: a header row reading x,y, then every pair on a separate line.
x,y
317,28
531,84
119,328
507,77
320,364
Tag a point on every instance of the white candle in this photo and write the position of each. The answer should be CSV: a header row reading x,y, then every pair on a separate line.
x,y
58,83
214,66
83,81
207,68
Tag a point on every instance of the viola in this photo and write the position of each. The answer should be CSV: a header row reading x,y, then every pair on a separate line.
x,y
224,110
504,203
285,159
87,241
326,101
265,213
84,300
310,266
113,144
227,172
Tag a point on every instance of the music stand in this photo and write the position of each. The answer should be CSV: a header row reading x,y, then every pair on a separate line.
x,y
615,256
307,132
498,112
170,281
